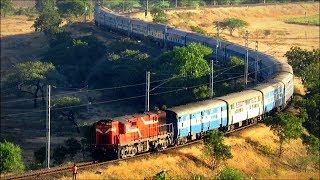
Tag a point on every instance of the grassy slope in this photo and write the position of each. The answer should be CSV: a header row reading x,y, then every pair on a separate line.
x,y
309,20
251,156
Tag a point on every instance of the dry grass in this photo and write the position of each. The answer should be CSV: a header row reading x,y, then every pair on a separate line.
x,y
189,162
19,42
261,18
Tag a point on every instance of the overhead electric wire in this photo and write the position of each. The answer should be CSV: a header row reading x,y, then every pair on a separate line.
x,y
128,98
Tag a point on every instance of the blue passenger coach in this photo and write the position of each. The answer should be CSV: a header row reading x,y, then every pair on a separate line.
x,y
194,119
273,95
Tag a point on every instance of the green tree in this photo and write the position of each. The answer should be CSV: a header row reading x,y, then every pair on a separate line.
x,y
76,8
6,7
158,15
31,77
59,154
286,127
202,92
73,146
232,24
121,5
187,61
43,5
49,20
300,59
310,105
230,174
214,147
10,158
63,109
40,155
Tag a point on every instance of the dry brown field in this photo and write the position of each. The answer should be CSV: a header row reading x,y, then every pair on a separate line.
x,y
282,35
254,153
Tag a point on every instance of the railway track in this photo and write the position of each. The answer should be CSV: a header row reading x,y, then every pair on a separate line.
x,y
87,165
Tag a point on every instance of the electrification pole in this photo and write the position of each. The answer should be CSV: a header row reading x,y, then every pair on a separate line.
x,y
147,9
246,62
211,79
256,66
147,103
48,124
176,3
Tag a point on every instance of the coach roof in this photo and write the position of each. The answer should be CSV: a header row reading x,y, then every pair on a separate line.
x,y
196,107
240,96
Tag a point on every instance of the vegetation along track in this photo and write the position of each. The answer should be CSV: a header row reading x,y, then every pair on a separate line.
x,y
87,165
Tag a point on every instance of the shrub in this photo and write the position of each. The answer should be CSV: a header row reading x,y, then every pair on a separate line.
x,y
266,150
230,174
198,30
113,57
10,158
142,56
130,53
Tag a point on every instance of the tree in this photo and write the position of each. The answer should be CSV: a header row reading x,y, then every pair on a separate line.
x,y
202,92
31,77
286,126
232,24
299,58
40,155
43,5
187,61
122,5
215,147
69,8
59,154
6,7
310,105
49,20
73,146
158,15
63,109
10,158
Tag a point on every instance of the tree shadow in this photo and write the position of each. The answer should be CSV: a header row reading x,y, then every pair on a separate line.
x,y
190,157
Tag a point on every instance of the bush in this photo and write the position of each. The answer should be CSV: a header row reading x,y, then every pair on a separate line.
x,y
113,57
10,158
198,30
266,150
158,15
142,56
230,174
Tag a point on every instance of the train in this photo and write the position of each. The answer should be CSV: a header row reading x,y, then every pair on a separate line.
x,y
129,135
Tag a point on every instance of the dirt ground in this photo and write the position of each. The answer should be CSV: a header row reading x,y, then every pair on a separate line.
x,y
248,156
